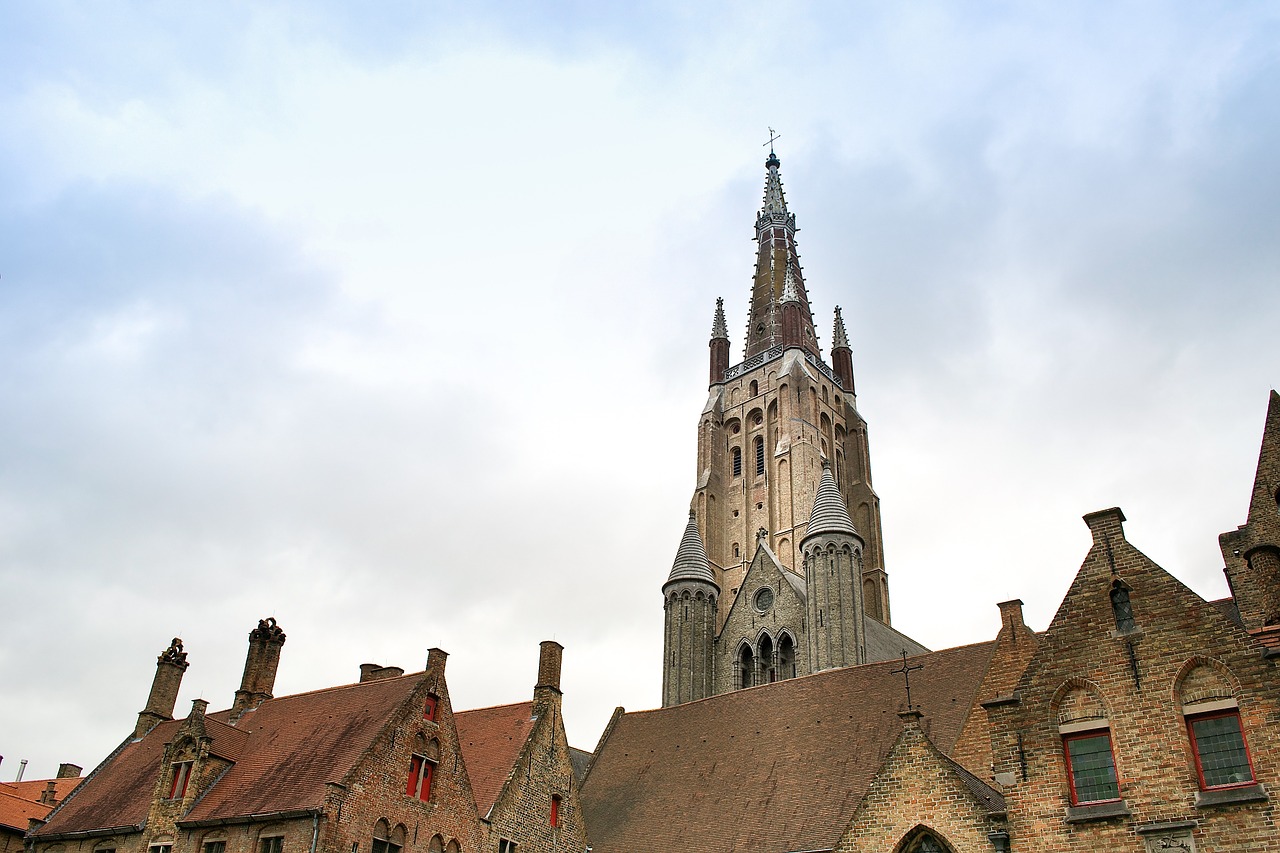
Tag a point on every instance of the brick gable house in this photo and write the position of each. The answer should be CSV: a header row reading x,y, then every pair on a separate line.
x,y
380,766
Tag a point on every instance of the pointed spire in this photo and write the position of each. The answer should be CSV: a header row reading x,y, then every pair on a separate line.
x,y
1266,482
841,337
719,329
830,515
691,558
775,203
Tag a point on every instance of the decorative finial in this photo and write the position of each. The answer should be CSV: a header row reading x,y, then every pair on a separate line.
x,y
906,670
772,136
841,337
719,329
762,533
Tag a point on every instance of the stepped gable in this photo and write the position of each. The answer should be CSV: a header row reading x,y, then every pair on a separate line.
x,y
285,752
782,766
491,740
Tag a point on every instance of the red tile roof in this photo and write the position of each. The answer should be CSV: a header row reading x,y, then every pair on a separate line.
x,y
491,739
33,789
15,811
774,768
284,752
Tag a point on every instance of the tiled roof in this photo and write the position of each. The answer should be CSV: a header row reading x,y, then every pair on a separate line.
x,y
33,789
491,739
15,811
285,752
992,799
773,768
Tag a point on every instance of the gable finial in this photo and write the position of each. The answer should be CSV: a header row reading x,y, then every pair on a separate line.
x,y
906,670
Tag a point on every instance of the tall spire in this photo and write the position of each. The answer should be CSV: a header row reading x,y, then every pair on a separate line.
x,y
777,261
719,345
841,355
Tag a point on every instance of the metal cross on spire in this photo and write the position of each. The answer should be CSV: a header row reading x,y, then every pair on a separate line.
x,y
906,670
772,136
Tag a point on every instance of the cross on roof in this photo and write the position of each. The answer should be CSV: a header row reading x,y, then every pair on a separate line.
x,y
772,137
906,670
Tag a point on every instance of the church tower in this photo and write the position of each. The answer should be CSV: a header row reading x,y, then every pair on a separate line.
x,y
772,425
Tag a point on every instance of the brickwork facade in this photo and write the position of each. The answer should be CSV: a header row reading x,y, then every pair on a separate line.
x,y
917,791
1130,661
374,767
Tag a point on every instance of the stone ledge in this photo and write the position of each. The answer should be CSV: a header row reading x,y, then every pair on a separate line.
x,y
1255,793
1101,811
1172,826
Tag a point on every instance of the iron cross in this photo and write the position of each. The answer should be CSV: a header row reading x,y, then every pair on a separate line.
x,y
772,137
906,670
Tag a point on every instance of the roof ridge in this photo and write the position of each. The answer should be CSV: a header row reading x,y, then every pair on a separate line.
x,y
333,689
495,707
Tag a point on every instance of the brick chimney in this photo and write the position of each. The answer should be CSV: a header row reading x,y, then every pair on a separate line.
x,y
265,642
69,771
49,796
170,666
1106,525
550,653
377,672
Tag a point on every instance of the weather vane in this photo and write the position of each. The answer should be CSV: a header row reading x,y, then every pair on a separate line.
x,y
906,670
772,136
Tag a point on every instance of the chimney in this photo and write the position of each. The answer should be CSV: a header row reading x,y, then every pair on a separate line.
x,y
170,666
260,666
22,768
49,796
1011,615
550,654
69,771
375,672
1106,524
436,659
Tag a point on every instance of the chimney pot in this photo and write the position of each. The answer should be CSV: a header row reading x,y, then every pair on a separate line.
x,y
170,667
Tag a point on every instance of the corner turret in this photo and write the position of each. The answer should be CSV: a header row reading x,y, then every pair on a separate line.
x,y
719,344
841,354
833,565
1251,553
690,595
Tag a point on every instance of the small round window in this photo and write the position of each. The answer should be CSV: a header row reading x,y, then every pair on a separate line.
x,y
764,599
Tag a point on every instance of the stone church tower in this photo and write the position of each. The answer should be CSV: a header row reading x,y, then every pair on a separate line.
x,y
782,452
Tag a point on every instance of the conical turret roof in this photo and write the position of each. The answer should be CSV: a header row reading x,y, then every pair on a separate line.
x,y
841,337
691,558
829,515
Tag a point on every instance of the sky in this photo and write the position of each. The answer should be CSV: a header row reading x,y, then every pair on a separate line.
x,y
390,320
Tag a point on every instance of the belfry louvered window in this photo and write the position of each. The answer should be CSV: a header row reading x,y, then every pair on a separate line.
x,y
736,455
759,457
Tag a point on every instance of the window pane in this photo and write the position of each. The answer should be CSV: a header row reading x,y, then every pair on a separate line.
x,y
1220,746
1093,770
215,847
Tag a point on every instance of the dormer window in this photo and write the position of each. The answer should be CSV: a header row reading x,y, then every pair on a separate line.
x,y
181,776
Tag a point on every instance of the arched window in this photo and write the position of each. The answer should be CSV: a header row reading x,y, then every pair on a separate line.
x,y
786,656
746,666
1086,745
1214,728
1122,607
382,839
759,443
754,388
736,554
736,455
768,672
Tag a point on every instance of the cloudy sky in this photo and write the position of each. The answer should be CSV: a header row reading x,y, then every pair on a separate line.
x,y
390,320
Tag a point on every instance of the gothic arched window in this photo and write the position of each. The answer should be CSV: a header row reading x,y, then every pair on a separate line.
x,y
759,456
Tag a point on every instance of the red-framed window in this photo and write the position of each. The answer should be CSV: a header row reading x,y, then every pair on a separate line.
x,y
1222,756
429,708
555,810
1091,767
422,771
181,776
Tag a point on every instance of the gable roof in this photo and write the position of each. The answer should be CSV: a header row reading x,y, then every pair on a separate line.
x,y
769,769
285,752
17,810
491,740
